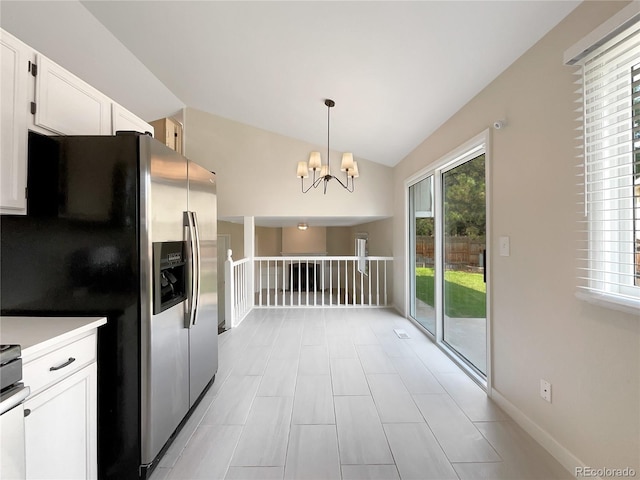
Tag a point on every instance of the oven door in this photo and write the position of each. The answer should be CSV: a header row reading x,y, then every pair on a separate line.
x,y
12,459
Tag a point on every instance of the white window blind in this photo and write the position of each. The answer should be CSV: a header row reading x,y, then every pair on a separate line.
x,y
609,260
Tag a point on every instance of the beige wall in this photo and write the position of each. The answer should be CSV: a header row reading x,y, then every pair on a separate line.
x,y
268,241
256,173
590,355
312,240
339,241
236,234
380,237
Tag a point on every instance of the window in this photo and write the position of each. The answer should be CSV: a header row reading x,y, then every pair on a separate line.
x,y
609,260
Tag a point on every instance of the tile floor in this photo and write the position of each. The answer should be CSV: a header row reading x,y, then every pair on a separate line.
x,y
335,394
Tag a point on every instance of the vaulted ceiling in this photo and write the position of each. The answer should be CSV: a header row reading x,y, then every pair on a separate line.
x,y
396,70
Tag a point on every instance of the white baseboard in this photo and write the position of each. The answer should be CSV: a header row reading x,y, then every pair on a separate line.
x,y
567,459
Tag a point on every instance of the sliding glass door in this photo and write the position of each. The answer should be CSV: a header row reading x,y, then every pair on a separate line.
x,y
422,228
464,243
447,256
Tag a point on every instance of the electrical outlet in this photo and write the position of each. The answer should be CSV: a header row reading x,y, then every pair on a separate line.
x,y
545,390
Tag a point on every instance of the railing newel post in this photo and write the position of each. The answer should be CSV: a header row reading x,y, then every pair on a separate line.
x,y
229,286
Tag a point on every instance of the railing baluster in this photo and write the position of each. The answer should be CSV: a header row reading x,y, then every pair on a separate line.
x,y
299,284
355,269
339,292
245,279
268,287
306,275
361,287
291,283
275,284
330,282
385,283
239,289
377,282
260,282
369,278
239,286
322,285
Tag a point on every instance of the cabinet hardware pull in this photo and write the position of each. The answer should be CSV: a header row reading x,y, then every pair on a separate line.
x,y
27,412
65,364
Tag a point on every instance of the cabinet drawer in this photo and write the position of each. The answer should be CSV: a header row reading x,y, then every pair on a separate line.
x,y
53,366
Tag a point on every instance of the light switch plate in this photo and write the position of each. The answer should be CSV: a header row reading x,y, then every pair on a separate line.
x,y
505,247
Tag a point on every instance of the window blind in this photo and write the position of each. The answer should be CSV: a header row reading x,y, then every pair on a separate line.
x,y
609,253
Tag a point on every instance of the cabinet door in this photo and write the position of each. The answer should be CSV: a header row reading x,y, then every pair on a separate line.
x,y
14,59
123,119
67,105
61,430
169,132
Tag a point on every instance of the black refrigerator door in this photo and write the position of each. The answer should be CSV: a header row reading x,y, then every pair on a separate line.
x,y
76,253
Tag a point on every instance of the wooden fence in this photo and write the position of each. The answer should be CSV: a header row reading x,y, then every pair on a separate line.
x,y
459,251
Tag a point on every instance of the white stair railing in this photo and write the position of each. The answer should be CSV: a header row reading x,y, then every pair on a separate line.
x,y
339,281
238,299
342,281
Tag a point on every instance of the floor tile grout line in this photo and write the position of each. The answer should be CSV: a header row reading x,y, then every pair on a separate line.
x,y
335,416
252,400
295,388
330,324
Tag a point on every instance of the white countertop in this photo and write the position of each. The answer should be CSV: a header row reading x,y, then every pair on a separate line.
x,y
34,334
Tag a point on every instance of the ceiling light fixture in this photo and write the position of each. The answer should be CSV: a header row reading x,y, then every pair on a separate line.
x,y
302,226
349,166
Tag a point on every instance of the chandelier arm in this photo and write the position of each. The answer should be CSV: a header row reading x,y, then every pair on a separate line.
x,y
313,183
346,187
303,189
347,175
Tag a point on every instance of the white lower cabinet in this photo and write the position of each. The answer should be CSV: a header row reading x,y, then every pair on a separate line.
x,y
61,417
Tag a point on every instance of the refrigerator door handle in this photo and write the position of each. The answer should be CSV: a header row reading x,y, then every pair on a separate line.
x,y
194,318
190,311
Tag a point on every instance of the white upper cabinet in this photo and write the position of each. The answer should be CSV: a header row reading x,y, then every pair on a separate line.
x,y
67,105
15,58
39,95
123,119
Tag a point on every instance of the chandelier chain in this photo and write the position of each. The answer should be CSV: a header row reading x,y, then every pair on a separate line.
x,y
328,138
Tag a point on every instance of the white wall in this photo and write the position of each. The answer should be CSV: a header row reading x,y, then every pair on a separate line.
x,y
590,355
256,172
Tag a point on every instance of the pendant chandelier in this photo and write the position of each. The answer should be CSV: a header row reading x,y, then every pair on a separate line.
x,y
322,172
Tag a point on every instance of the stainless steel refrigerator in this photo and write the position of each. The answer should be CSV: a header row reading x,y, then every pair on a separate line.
x,y
124,227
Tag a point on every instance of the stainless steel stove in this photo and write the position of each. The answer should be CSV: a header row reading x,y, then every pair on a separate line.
x,y
10,365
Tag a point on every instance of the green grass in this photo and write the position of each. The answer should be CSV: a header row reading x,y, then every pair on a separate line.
x,y
465,292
